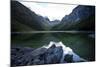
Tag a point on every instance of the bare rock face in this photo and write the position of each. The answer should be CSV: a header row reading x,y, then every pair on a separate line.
x,y
22,18
81,18
79,13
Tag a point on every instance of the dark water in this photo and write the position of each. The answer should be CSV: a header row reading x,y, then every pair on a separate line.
x,y
82,44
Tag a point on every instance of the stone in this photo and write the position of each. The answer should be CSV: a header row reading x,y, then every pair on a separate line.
x,y
53,55
68,58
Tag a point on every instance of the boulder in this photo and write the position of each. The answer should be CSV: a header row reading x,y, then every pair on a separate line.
x,y
23,56
20,56
53,55
68,58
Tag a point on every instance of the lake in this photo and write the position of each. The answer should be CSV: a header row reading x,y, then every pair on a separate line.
x,y
82,44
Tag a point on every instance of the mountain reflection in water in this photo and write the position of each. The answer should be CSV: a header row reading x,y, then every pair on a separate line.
x,y
81,43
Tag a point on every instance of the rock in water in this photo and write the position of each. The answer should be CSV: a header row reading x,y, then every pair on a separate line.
x,y
53,55
68,58
38,51
38,56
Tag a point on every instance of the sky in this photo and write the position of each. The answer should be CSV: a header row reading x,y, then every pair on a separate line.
x,y
52,11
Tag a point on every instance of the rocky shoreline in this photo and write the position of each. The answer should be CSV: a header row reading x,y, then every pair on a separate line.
x,y
23,56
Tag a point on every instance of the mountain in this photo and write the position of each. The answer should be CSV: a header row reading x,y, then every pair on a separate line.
x,y
23,19
54,23
81,18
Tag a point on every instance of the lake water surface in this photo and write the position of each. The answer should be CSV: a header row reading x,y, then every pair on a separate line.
x,y
81,43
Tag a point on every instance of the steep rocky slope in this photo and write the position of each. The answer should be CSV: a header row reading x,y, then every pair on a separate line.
x,y
81,18
23,19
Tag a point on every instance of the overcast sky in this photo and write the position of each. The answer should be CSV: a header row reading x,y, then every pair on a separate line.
x,y
52,11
